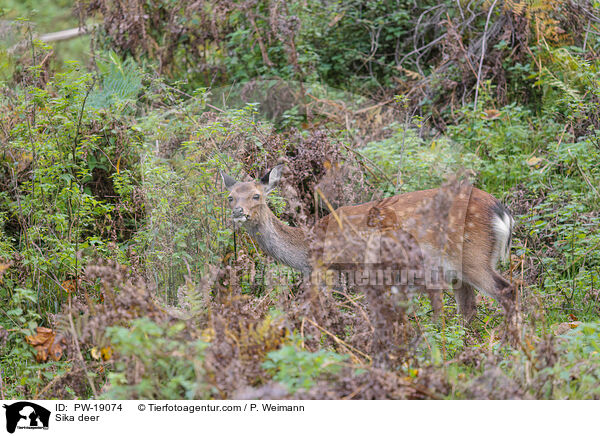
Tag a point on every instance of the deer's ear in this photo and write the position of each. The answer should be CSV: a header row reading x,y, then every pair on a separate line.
x,y
228,181
271,179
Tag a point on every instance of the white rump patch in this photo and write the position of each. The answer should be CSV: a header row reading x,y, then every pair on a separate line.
x,y
502,230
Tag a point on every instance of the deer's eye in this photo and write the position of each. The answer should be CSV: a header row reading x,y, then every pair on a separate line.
x,y
230,199
256,197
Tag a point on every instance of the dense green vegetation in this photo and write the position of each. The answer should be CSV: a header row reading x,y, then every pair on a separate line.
x,y
121,275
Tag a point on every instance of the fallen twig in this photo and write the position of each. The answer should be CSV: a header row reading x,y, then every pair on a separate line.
x,y
487,22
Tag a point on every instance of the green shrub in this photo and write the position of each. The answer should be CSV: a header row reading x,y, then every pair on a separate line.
x,y
299,369
418,163
576,373
156,363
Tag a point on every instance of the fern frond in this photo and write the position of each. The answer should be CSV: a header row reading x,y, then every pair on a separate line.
x,y
121,82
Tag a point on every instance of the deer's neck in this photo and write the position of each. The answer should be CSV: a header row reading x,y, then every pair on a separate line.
x,y
284,243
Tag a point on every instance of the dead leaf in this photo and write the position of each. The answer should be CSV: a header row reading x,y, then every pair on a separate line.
x,y
95,353
46,344
564,327
69,286
3,268
491,114
534,161
106,352
413,75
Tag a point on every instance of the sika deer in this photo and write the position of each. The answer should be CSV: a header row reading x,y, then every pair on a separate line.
x,y
466,235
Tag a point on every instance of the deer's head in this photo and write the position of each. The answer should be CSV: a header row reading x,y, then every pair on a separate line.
x,y
247,200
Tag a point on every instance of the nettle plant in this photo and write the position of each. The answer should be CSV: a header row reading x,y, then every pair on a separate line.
x,y
70,170
299,369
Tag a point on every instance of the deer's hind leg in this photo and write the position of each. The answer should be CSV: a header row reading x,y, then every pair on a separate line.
x,y
494,285
464,294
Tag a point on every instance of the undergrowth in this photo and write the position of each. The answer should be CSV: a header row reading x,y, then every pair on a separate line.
x,y
122,275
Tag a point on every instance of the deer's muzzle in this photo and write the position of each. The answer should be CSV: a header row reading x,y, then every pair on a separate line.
x,y
239,215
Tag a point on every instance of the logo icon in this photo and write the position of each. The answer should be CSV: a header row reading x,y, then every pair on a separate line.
x,y
26,415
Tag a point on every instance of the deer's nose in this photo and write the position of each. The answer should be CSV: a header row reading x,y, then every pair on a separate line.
x,y
238,211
